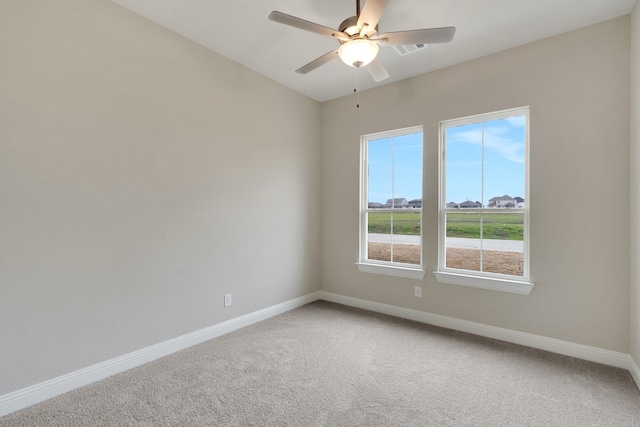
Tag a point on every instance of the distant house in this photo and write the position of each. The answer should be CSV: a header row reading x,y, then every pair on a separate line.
x,y
375,205
452,205
519,202
502,202
415,203
397,203
469,204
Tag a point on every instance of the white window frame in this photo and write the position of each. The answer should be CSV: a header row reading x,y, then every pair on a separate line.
x,y
410,271
477,279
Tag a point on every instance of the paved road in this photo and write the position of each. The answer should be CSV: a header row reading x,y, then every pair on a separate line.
x,y
454,242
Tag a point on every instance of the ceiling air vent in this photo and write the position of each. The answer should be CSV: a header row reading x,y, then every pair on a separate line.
x,y
406,49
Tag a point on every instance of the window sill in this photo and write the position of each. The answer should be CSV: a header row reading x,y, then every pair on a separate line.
x,y
505,285
391,270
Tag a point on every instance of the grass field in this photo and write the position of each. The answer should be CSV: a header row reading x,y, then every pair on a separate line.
x,y
504,226
403,223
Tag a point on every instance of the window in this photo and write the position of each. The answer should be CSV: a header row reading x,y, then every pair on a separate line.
x,y
484,201
391,203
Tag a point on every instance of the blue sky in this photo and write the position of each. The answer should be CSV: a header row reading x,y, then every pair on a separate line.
x,y
395,168
395,163
500,145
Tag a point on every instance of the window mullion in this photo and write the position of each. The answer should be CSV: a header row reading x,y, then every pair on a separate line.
x,y
393,191
482,198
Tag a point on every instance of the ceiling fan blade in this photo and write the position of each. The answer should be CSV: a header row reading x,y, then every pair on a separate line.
x,y
318,62
377,70
425,36
370,15
293,21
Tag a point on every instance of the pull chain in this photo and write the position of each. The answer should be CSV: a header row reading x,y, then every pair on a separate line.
x,y
356,89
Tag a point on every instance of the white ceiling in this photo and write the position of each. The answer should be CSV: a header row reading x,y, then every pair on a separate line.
x,y
240,30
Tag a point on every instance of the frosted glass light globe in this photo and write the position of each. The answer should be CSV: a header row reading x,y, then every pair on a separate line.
x,y
358,52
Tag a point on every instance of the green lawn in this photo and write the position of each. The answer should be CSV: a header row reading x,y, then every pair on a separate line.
x,y
503,226
403,223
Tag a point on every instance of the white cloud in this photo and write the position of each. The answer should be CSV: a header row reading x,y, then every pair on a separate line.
x,y
498,138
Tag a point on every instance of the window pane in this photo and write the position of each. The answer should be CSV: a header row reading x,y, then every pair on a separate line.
x,y
499,249
379,222
503,245
504,226
407,254
401,246
462,241
407,177
379,251
504,162
464,165
406,223
379,236
406,237
380,172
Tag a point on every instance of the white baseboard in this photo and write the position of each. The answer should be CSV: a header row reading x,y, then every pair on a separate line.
x,y
634,370
28,396
594,354
37,393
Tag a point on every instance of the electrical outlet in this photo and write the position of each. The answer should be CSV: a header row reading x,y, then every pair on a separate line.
x,y
227,300
418,291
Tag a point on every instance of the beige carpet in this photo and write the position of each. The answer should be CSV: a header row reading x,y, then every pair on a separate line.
x,y
329,365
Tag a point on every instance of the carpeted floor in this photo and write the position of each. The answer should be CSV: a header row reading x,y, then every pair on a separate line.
x,y
329,365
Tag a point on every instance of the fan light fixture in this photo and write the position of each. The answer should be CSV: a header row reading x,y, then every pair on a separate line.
x,y
358,52
359,39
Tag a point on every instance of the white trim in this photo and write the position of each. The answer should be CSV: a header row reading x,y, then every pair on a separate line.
x,y
635,371
391,270
593,354
492,283
487,117
37,393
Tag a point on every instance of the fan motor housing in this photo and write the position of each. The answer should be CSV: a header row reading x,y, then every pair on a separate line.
x,y
350,27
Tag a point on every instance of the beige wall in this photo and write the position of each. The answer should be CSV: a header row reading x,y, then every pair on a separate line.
x,y
634,195
577,85
142,177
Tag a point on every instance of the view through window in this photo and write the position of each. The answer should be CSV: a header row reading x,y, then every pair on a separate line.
x,y
391,206
484,194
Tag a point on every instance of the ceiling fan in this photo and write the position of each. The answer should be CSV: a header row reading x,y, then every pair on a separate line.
x,y
359,38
